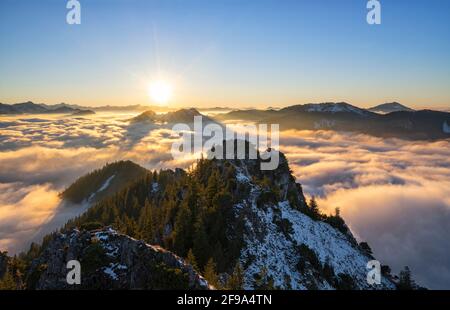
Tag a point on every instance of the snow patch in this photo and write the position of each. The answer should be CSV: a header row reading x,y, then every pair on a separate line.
x,y
104,186
267,246
112,268
242,178
333,108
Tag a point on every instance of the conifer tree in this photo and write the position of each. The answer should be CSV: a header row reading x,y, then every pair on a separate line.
x,y
211,274
405,280
201,246
314,208
7,282
236,280
191,259
182,231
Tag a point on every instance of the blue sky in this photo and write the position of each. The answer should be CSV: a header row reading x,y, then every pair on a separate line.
x,y
226,52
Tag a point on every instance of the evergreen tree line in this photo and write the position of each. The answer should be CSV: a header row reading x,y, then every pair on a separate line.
x,y
189,213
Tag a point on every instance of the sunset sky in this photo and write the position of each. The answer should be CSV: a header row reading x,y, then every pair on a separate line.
x,y
226,53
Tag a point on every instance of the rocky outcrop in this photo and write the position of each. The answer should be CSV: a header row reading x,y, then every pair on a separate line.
x,y
110,260
283,246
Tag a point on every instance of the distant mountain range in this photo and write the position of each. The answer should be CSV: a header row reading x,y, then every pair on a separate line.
x,y
385,120
64,108
33,108
341,116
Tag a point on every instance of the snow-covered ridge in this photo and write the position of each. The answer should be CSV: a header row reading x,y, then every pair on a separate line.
x,y
268,246
334,108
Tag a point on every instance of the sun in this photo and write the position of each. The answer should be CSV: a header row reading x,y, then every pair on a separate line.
x,y
160,92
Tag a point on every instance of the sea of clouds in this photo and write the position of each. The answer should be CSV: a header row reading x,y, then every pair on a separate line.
x,y
394,194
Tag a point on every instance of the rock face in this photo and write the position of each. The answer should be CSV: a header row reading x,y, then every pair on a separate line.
x,y
110,261
286,249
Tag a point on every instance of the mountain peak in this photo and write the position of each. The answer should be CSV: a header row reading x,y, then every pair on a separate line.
x,y
103,182
180,116
146,116
390,107
327,107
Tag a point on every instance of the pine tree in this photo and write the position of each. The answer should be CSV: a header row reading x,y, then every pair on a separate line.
x,y
405,280
366,248
211,274
337,212
201,245
182,234
191,259
314,208
213,187
236,280
7,282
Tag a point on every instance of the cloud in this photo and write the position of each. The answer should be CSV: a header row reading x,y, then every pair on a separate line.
x,y
393,193
22,210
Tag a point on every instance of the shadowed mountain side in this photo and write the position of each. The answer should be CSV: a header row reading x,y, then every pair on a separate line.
x,y
103,182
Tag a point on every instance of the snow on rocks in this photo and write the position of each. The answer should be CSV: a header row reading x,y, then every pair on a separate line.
x,y
104,186
268,246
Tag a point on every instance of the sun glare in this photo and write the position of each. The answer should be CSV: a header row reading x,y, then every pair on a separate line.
x,y
160,92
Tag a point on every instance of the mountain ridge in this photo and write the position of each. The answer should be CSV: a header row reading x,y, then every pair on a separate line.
x,y
242,220
103,182
415,125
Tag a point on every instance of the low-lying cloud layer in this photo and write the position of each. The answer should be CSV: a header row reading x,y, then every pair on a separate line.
x,y
39,157
395,194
